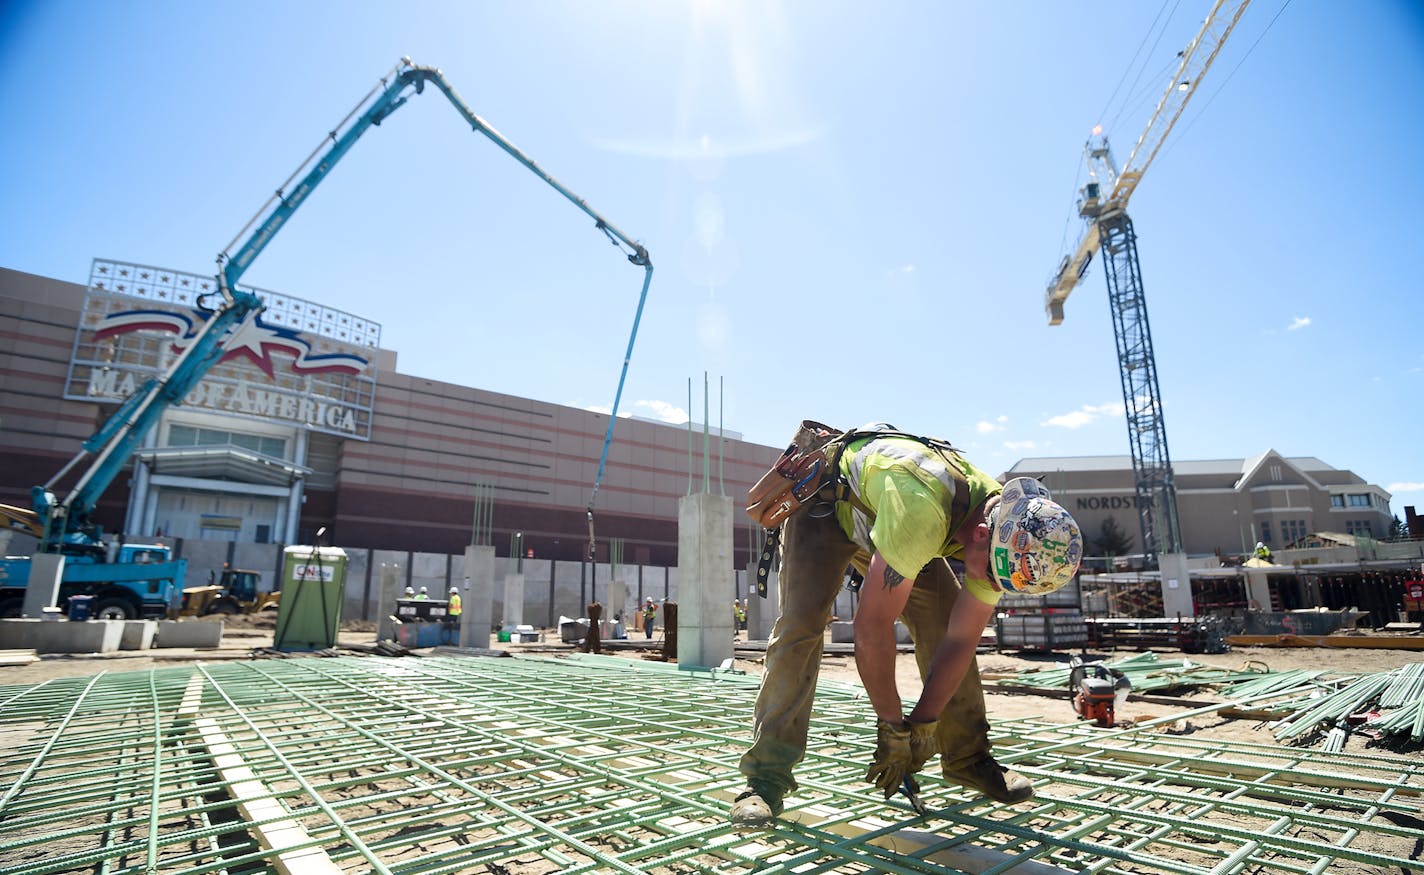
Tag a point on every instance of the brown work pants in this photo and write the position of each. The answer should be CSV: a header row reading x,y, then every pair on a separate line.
x,y
815,553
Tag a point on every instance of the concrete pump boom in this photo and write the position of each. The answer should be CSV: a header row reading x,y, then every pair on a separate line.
x,y
67,521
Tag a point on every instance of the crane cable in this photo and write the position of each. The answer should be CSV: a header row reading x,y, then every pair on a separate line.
x,y
1178,138
1103,115
1150,52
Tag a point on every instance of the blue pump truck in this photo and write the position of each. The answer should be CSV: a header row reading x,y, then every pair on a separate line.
x,y
128,580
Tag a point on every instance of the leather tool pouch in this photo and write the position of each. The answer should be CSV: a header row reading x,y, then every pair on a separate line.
x,y
803,469
797,476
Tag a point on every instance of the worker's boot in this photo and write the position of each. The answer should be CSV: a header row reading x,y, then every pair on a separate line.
x,y
993,780
756,806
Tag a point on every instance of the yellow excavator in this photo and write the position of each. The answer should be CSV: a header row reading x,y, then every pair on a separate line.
x,y
237,591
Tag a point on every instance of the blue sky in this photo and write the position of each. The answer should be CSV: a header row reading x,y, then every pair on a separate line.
x,y
853,208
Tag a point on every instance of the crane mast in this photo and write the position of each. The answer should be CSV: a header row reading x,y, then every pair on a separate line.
x,y
1107,228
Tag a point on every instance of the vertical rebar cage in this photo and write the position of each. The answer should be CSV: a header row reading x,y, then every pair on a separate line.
x,y
605,764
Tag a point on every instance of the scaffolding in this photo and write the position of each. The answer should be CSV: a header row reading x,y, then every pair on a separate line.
x,y
602,764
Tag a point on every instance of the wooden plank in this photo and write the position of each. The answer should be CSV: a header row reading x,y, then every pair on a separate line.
x,y
281,835
18,657
1367,641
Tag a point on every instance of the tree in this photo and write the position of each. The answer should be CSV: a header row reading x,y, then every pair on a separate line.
x,y
1398,531
1112,540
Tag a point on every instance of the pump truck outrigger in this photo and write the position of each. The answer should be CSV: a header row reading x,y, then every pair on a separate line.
x,y
67,526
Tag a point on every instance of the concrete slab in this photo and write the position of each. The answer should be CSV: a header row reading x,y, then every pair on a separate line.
x,y
188,633
138,634
94,636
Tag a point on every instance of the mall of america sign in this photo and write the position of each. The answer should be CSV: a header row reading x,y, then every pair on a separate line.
x,y
296,362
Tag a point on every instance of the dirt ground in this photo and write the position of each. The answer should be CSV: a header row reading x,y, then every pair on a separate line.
x,y
245,638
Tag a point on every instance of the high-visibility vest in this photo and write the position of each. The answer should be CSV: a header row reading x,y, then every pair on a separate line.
x,y
454,604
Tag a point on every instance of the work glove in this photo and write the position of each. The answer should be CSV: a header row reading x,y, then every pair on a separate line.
x,y
893,759
924,743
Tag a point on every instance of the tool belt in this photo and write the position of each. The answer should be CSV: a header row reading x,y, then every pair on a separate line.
x,y
808,469
804,467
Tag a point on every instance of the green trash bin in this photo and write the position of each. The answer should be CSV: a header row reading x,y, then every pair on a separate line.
x,y
313,585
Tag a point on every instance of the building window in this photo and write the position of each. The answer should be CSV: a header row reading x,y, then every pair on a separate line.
x,y
1337,501
1265,532
1275,472
1359,527
1292,530
1358,500
192,436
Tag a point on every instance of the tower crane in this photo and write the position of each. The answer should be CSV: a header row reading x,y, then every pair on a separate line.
x,y
1102,205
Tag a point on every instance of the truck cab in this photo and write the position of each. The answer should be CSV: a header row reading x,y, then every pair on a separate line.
x,y
127,581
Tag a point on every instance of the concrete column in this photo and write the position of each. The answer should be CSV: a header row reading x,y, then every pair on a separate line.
x,y
762,612
513,600
138,499
392,582
291,525
477,597
705,582
617,604
148,520
290,517
1176,585
1258,588
46,571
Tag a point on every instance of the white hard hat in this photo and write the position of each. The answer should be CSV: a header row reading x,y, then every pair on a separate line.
x,y
1035,545
454,589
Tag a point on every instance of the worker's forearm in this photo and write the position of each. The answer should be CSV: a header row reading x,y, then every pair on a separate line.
x,y
875,660
951,661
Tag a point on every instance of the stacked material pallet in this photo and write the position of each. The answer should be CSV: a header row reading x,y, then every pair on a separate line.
x,y
1049,622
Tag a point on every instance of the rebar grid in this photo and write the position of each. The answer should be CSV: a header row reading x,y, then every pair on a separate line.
x,y
601,764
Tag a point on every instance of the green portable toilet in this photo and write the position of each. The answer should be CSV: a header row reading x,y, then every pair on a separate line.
x,y
313,585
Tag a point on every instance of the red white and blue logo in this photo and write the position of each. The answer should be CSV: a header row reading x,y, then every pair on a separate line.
x,y
253,340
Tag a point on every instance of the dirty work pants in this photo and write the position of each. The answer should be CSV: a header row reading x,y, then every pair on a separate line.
x,y
815,554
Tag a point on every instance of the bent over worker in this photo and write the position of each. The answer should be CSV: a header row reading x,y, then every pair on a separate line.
x,y
907,505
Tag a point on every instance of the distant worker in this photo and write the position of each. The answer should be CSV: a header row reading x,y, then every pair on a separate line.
x,y
901,506
451,621
650,614
739,617
1262,551
409,593
422,595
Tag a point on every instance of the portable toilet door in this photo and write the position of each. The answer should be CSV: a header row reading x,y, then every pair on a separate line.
x,y
313,586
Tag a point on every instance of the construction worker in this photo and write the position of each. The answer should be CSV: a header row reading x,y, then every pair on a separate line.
x,y
739,617
1262,551
409,593
902,507
650,614
422,595
451,622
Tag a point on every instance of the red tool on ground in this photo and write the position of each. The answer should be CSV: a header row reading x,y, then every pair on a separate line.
x,y
1095,691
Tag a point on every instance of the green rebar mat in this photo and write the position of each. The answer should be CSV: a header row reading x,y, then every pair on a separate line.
x,y
571,765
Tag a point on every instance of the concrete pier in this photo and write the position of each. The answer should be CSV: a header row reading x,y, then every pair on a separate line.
x,y
705,581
